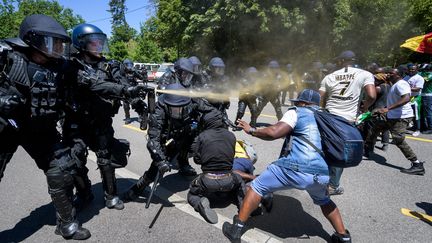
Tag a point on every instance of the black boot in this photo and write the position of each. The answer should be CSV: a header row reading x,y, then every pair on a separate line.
x,y
82,201
133,193
110,187
267,202
206,212
341,238
144,122
235,230
71,229
113,202
187,170
416,169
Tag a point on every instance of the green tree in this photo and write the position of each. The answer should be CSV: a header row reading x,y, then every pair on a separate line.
x,y
11,16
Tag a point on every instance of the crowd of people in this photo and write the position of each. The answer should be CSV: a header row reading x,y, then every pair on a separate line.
x,y
45,84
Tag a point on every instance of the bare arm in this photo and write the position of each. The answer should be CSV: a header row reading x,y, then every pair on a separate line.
x,y
402,101
278,130
245,176
323,98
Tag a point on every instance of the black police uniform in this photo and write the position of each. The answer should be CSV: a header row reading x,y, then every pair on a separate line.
x,y
170,138
33,126
89,119
270,93
214,150
247,98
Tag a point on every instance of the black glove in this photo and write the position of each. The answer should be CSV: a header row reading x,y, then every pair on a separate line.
x,y
163,166
133,91
86,77
8,103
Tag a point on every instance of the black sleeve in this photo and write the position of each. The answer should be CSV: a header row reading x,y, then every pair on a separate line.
x,y
156,122
196,150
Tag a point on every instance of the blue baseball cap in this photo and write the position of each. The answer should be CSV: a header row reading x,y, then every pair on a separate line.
x,y
309,96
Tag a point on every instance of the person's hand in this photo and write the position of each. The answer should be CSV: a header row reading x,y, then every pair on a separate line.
x,y
381,110
163,166
8,103
244,125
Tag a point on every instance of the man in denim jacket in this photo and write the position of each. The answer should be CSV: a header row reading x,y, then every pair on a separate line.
x,y
302,168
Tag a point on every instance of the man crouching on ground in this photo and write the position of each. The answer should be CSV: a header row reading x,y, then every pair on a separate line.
x,y
302,168
214,151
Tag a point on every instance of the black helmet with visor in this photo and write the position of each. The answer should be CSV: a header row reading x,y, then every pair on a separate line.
x,y
45,34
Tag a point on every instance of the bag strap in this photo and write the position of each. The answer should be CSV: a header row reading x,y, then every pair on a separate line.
x,y
312,145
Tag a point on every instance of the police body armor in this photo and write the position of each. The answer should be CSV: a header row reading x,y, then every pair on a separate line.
x,y
96,105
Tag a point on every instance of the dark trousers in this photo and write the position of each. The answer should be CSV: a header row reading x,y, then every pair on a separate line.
x,y
274,100
41,141
249,101
206,185
397,128
126,108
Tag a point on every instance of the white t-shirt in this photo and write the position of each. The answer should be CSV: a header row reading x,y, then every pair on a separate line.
x,y
398,89
343,90
290,118
415,81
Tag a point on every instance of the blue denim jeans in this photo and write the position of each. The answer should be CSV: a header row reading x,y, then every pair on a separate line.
x,y
427,111
335,176
279,178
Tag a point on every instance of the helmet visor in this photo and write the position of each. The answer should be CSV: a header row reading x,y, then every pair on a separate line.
x,y
197,68
186,78
178,112
95,43
49,45
219,71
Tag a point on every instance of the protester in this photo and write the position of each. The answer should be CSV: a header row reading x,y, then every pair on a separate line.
x,y
341,91
302,168
399,114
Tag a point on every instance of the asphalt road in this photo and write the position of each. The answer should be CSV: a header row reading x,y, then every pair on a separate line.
x,y
375,193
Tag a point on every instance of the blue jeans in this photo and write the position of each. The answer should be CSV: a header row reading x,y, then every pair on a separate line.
x,y
278,178
335,176
427,111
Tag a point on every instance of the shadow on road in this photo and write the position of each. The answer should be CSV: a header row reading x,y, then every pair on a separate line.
x,y
27,226
45,215
289,220
427,207
383,161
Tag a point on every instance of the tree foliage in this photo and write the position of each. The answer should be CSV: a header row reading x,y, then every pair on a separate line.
x,y
251,32
12,12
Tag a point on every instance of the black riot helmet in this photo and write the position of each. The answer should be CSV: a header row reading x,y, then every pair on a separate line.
x,y
184,70
128,65
273,64
217,66
45,34
178,105
251,73
197,65
89,38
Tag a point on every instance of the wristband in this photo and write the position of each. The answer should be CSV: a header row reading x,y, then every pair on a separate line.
x,y
251,131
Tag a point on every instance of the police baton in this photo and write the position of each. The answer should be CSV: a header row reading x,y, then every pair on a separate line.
x,y
157,178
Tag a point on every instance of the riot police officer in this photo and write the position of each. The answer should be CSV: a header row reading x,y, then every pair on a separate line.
x,y
217,82
197,81
247,96
270,91
94,105
171,132
312,78
35,68
132,80
290,85
138,103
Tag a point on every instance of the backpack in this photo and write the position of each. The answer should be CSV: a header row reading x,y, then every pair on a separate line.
x,y
342,143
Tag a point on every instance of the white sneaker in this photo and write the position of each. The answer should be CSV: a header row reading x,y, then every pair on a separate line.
x,y
416,133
